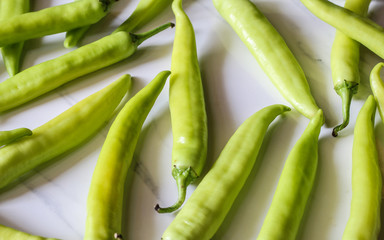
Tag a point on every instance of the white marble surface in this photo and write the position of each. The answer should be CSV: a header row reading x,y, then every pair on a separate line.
x,y
53,202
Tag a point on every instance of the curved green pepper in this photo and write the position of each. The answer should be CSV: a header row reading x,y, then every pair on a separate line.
x,y
271,52
377,87
345,59
364,219
208,205
61,134
295,186
187,106
105,197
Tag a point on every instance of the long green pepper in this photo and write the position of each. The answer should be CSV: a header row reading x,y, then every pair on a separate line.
x,y
357,27
52,20
46,76
271,52
364,219
12,53
295,186
105,197
345,59
187,107
208,205
11,233
61,134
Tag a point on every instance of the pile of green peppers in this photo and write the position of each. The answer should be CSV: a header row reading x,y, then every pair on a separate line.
x,y
23,149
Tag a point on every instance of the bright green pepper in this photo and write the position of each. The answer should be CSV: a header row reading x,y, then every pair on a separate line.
x,y
144,12
271,52
61,134
12,53
295,186
208,205
46,76
105,197
52,20
345,59
187,107
364,220
355,26
7,137
11,233
377,87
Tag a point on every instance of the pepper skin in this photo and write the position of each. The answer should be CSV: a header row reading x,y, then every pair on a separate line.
x,y
105,197
271,52
208,205
364,219
377,87
187,107
61,134
295,186
345,59
12,53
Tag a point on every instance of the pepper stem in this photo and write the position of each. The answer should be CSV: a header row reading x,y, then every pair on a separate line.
x,y
346,92
141,37
183,179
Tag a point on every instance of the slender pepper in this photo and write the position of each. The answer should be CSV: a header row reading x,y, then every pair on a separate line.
x,y
12,53
271,52
144,12
187,107
61,134
364,219
357,27
46,76
52,20
7,137
295,186
377,87
105,197
345,59
208,205
11,233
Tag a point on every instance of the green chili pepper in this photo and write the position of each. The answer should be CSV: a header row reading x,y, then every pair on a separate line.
x,y
52,20
271,52
295,186
145,11
61,134
364,219
11,233
208,205
187,107
345,58
51,74
377,87
105,197
359,28
12,53
7,137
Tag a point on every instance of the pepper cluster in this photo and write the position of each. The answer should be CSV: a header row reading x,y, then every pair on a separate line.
x,y
23,150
